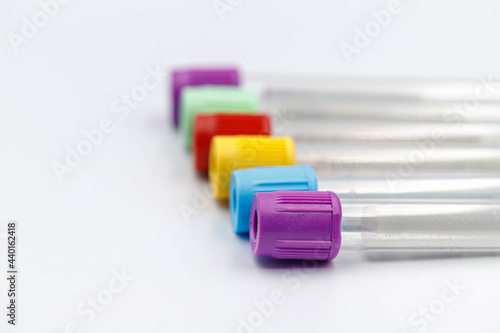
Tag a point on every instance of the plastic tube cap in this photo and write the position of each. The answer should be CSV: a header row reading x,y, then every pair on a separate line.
x,y
206,126
296,225
199,76
245,183
228,153
211,99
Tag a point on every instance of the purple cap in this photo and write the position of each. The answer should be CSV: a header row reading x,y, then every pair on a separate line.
x,y
197,77
295,225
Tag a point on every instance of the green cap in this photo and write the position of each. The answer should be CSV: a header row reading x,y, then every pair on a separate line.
x,y
210,99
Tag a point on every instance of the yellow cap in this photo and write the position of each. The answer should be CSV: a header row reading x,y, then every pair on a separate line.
x,y
228,153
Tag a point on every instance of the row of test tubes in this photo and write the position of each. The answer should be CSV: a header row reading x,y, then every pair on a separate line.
x,y
312,166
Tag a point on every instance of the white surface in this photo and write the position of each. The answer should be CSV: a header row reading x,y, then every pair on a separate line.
x,y
120,207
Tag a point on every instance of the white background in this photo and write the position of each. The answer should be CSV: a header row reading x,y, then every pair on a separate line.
x,y
119,209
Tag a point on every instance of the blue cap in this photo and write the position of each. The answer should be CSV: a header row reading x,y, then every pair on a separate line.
x,y
246,182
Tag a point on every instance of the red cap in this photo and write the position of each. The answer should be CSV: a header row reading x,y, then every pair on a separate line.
x,y
206,126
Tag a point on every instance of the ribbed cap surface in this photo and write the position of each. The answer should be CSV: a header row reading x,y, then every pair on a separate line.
x,y
211,99
296,225
199,76
209,125
245,183
228,153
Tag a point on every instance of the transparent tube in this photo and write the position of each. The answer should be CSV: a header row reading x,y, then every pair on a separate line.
x,y
414,160
399,200
380,98
314,129
413,188
305,104
387,228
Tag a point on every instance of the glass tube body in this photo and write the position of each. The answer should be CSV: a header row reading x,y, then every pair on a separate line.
x,y
318,129
398,227
381,98
418,217
415,160
413,188
398,199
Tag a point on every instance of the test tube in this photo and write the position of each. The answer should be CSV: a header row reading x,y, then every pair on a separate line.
x,y
385,134
315,225
379,98
246,182
388,106
415,160
202,99
383,99
376,131
420,159
413,188
391,135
